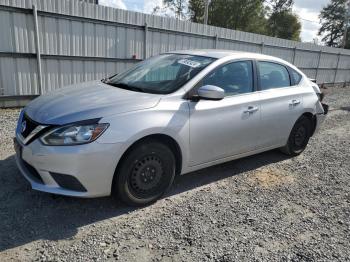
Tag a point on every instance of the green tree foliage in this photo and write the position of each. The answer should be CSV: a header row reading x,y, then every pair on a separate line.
x,y
244,15
177,8
274,19
282,22
196,10
284,25
332,19
281,5
269,17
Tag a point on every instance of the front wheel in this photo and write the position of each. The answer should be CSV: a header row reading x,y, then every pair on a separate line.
x,y
145,174
299,137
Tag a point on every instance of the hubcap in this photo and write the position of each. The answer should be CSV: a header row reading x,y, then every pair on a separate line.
x,y
146,175
300,136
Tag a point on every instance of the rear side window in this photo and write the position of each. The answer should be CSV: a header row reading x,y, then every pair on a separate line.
x,y
273,75
296,76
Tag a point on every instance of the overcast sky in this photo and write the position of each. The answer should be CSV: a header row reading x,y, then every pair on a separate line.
x,y
309,9
305,9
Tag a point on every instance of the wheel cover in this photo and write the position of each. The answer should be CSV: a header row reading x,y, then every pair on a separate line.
x,y
300,136
146,176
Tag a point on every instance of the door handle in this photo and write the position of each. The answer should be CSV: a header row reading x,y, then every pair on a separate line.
x,y
251,109
294,102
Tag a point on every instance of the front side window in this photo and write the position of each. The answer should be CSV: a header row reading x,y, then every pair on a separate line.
x,y
273,75
162,74
234,78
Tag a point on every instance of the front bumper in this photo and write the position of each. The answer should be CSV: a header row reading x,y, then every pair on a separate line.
x,y
92,165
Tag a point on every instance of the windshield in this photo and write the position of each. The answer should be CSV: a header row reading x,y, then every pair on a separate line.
x,y
162,74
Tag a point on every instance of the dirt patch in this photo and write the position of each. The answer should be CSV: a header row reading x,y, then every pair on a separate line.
x,y
271,177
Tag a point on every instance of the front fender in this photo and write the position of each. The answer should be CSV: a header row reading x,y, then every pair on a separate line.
x,y
171,119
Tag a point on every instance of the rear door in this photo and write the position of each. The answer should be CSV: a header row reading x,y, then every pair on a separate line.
x,y
219,129
281,103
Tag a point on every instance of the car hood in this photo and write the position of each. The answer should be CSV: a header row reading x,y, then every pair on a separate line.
x,y
87,101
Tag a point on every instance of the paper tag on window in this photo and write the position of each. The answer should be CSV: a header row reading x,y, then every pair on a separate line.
x,y
189,63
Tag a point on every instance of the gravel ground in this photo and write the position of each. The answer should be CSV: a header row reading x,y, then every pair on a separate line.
x,y
264,208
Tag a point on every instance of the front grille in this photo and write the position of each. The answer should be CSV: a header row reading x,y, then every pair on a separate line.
x,y
29,124
32,173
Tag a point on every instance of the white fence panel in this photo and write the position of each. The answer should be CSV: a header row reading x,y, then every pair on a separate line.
x,y
80,41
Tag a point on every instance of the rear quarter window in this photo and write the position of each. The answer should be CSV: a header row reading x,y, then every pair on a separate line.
x,y
296,76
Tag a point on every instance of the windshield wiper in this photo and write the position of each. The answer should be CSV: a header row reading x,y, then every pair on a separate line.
x,y
126,86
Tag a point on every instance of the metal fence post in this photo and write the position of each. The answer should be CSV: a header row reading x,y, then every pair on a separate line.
x,y
37,49
262,47
294,54
318,64
216,41
145,55
336,70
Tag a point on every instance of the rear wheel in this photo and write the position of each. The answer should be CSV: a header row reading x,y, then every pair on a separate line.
x,y
299,137
145,174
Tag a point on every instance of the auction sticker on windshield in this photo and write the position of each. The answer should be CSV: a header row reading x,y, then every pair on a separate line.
x,y
189,63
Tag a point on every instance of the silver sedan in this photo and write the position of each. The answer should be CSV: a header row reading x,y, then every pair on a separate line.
x,y
175,113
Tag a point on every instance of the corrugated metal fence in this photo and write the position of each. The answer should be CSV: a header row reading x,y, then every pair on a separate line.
x,y
46,44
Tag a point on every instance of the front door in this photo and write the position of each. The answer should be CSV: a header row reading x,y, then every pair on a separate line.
x,y
228,127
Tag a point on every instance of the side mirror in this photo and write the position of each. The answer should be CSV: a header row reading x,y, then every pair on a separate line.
x,y
211,92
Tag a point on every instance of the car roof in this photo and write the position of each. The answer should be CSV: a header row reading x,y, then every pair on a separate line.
x,y
218,53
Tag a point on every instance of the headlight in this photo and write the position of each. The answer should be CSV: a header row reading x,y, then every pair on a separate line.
x,y
73,134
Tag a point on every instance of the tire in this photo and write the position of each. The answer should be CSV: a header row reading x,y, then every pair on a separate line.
x,y
298,137
145,174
